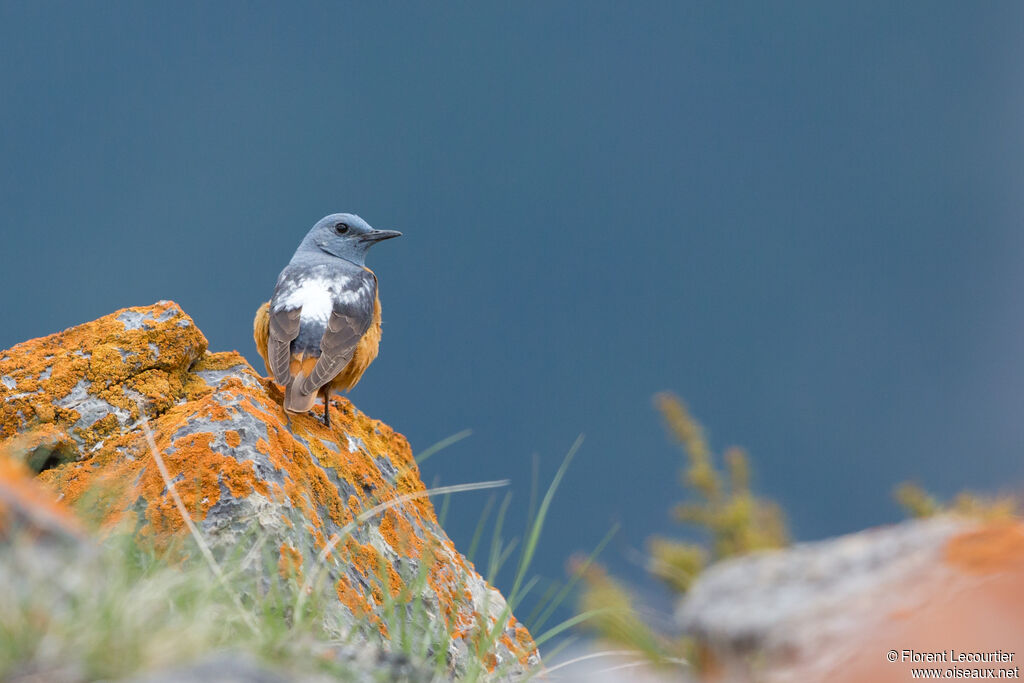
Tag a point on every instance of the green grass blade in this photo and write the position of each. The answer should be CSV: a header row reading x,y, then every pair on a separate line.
x,y
553,605
530,546
441,445
569,623
479,531
493,564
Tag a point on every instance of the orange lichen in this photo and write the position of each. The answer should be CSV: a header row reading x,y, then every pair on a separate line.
x,y
99,355
400,535
992,548
207,471
290,564
364,558
221,360
447,584
524,639
351,598
395,583
359,606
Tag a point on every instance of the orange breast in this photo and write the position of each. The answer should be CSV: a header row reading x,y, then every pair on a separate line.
x,y
366,352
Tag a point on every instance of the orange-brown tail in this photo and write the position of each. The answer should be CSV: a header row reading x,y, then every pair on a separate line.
x,y
293,401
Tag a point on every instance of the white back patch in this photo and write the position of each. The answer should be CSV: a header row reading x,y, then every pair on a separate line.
x,y
313,295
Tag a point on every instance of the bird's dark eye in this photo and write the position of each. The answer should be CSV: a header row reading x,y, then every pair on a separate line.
x,y
341,228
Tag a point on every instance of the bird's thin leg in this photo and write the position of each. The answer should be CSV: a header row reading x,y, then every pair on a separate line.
x,y
325,392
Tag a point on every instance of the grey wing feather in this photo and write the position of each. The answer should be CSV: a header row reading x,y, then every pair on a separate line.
x,y
348,323
284,327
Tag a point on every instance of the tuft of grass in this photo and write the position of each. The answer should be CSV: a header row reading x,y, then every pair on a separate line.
x,y
500,552
126,608
721,504
721,507
917,502
499,555
123,609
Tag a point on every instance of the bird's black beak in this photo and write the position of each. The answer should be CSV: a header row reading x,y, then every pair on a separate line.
x,y
380,235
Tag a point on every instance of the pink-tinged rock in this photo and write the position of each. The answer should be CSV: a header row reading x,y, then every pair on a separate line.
x,y
844,608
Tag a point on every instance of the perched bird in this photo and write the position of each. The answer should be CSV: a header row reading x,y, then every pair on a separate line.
x,y
321,329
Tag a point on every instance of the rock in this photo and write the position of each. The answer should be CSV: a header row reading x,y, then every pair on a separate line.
x,y
832,610
78,401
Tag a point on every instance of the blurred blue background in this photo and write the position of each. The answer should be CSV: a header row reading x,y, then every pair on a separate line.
x,y
804,218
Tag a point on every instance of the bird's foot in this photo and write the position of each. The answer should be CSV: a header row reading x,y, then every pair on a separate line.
x,y
326,396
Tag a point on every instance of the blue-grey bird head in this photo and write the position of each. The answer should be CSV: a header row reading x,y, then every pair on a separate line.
x,y
344,235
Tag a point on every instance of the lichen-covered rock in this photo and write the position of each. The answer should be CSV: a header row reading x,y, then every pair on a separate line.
x,y
832,610
245,471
